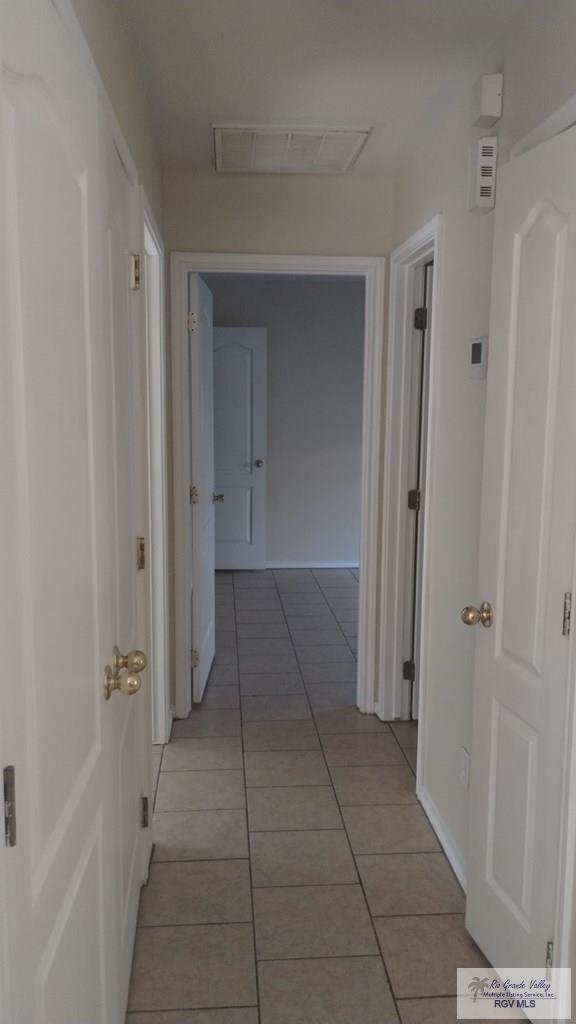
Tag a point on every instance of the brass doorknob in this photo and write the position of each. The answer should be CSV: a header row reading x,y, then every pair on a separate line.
x,y
134,661
127,683
471,615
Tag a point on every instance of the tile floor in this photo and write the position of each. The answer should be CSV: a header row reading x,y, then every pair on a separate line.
x,y
295,879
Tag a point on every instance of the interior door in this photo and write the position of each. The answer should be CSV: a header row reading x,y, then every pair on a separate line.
x,y
521,720
129,733
240,404
201,377
67,481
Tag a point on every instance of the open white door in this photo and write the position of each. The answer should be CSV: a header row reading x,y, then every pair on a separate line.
x,y
201,380
68,588
240,404
522,718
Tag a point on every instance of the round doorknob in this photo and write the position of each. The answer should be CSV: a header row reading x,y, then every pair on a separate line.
x,y
134,661
471,615
258,463
129,683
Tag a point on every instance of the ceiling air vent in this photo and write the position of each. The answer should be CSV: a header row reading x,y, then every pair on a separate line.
x,y
483,160
271,149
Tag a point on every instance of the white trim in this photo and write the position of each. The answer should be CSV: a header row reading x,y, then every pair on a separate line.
x,y
405,260
157,547
372,269
312,565
555,124
437,823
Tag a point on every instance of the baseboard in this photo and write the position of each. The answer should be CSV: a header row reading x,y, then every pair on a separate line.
x,y
312,565
446,844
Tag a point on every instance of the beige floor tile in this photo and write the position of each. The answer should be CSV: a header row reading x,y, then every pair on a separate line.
x,y
377,785
348,720
270,684
392,829
193,966
422,953
327,696
259,616
200,835
197,892
301,858
221,697
305,807
224,675
324,654
310,619
411,757
313,637
244,1016
226,654
406,733
339,990
208,723
270,646
429,1011
286,768
280,736
275,709
333,577
354,749
156,762
410,883
206,753
263,630
329,673
270,663
307,921
199,791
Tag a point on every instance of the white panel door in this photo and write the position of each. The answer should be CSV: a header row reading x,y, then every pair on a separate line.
x,y
521,702
201,376
66,508
240,404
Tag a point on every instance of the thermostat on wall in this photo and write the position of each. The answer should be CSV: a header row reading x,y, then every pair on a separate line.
x,y
478,357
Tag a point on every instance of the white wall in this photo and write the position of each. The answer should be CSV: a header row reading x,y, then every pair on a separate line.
x,y
540,74
315,363
103,25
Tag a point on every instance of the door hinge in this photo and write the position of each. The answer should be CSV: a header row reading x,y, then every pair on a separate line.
x,y
135,272
567,614
192,322
414,500
9,775
193,495
549,954
420,318
409,671
145,815
140,553
195,658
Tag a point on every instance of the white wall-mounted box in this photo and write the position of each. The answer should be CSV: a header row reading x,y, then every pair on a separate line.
x,y
487,102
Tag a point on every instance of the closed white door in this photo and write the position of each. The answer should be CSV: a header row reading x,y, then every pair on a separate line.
x,y
201,377
522,703
240,404
67,585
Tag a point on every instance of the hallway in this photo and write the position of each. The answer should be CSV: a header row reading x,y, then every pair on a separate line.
x,y
332,903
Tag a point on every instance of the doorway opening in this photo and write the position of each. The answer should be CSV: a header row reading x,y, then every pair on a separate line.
x,y
188,270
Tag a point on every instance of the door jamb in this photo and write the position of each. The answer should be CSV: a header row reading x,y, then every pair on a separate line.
x,y
372,270
425,244
157,545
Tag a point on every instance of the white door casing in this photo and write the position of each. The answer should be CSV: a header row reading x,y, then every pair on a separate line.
x,y
519,861
240,448
73,878
201,390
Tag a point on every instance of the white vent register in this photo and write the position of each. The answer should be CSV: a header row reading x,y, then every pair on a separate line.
x,y
483,161
272,149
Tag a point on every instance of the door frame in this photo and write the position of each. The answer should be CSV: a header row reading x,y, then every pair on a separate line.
x,y
405,263
372,270
157,421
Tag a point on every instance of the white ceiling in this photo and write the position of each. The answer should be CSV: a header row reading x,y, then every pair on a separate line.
x,y
304,62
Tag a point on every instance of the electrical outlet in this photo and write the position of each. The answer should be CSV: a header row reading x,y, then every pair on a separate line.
x,y
464,767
